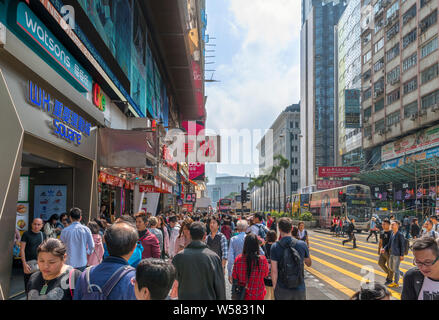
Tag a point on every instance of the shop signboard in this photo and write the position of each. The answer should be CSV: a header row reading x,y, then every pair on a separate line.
x,y
338,171
66,123
23,189
416,142
22,218
329,184
352,108
99,97
50,48
423,155
167,173
49,200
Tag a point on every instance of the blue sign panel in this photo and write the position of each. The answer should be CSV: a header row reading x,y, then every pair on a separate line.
x,y
67,124
53,48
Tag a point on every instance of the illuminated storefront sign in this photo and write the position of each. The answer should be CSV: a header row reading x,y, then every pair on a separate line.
x,y
53,48
67,124
98,97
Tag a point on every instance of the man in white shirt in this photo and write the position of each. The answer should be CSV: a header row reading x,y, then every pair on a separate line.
x,y
78,240
173,234
258,228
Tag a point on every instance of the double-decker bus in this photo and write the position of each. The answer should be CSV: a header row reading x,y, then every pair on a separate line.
x,y
224,205
324,205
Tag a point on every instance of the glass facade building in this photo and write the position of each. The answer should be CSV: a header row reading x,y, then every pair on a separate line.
x,y
317,86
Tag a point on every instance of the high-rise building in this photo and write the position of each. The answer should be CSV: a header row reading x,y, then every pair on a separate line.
x,y
283,139
400,69
348,77
317,60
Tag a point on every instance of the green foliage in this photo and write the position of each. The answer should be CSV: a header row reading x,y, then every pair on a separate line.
x,y
306,216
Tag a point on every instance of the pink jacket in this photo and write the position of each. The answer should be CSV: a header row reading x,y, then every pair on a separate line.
x,y
96,256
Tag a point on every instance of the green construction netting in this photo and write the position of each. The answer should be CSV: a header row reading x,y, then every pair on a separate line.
x,y
403,174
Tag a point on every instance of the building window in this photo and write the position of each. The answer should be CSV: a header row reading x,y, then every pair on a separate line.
x,y
368,112
368,131
411,85
367,74
430,100
410,13
367,38
393,118
379,105
424,3
429,73
393,31
428,21
392,9
392,53
409,38
367,57
378,87
379,65
379,125
367,94
379,45
410,109
410,62
429,48
392,97
378,24
297,125
393,75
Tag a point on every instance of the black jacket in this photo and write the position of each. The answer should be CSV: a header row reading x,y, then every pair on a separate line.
x,y
200,274
412,284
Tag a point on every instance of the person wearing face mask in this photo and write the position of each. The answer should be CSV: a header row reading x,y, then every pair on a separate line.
x,y
55,280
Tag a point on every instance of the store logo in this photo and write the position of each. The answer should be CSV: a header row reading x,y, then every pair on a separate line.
x,y
67,124
98,97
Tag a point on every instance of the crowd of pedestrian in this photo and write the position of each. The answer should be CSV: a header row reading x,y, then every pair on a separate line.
x,y
190,256
168,256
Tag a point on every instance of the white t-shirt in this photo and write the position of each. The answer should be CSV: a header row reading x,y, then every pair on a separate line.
x,y
429,290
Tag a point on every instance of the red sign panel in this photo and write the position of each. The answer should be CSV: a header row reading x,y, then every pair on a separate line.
x,y
338,171
329,184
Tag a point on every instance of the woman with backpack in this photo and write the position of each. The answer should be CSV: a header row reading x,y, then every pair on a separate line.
x,y
270,239
250,269
54,280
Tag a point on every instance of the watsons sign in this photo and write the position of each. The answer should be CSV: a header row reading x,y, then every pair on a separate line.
x,y
67,124
37,31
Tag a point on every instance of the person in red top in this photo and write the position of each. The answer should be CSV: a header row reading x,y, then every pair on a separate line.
x,y
250,269
150,243
269,220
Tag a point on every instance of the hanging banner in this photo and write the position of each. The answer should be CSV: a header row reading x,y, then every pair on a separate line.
x,y
338,171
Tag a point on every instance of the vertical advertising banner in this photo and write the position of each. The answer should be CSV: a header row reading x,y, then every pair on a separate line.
x,y
196,169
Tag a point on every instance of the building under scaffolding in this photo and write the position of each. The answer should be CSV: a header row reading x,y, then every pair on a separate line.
x,y
414,184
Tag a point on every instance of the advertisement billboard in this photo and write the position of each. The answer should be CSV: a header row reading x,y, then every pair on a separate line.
x,y
417,142
337,171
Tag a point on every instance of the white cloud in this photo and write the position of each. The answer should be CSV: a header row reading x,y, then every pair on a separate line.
x,y
263,76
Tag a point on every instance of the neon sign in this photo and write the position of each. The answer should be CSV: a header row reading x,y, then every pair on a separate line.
x,y
98,97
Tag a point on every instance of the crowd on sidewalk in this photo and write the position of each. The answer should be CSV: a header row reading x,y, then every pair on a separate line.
x,y
190,256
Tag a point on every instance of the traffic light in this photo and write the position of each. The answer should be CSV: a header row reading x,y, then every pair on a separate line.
x,y
243,195
247,196
341,196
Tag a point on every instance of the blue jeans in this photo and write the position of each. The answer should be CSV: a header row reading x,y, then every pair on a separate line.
x,y
394,263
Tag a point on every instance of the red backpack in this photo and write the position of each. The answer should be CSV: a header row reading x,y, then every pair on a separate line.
x,y
226,230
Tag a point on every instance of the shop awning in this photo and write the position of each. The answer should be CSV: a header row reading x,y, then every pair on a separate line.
x,y
403,174
126,148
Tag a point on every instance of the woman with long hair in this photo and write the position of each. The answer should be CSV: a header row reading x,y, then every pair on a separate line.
x,y
50,228
184,238
164,230
250,269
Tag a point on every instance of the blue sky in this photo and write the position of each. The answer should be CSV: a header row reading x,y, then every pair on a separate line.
x,y
258,64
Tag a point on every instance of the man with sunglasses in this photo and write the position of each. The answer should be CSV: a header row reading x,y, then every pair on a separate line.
x,y
422,282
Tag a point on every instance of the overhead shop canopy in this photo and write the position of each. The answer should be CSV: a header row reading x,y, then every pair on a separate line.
x,y
403,174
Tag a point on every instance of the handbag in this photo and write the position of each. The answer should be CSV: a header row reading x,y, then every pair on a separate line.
x,y
238,291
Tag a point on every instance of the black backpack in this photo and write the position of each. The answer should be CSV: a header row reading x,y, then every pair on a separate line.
x,y
291,270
